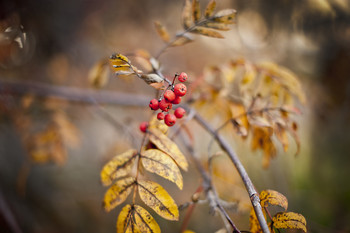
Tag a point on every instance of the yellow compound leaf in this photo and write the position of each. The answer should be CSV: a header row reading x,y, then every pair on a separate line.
x,y
162,32
160,163
125,222
163,143
225,16
271,197
181,40
209,10
118,193
196,11
289,220
207,32
118,167
144,221
187,15
155,196
98,74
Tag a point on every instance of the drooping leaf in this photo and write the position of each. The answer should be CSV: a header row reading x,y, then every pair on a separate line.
x,y
144,221
281,134
159,125
162,32
196,11
160,163
217,26
187,15
118,167
262,140
118,193
293,131
98,74
125,222
209,10
239,129
207,32
181,40
225,16
271,197
155,196
289,220
259,121
163,143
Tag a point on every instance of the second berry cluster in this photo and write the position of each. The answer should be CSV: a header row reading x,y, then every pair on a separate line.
x,y
171,96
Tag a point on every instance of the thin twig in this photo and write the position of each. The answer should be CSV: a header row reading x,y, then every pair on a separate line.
x,y
254,197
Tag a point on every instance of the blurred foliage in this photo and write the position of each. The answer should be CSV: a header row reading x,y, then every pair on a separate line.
x,y
58,41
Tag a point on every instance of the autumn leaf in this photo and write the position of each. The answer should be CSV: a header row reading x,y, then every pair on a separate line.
x,y
289,220
144,221
125,222
155,196
217,26
118,167
98,74
281,135
209,10
154,123
181,40
121,65
206,32
254,225
118,193
187,15
161,164
162,32
225,16
271,197
196,11
163,143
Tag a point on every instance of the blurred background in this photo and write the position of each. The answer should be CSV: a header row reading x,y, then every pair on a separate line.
x,y
57,42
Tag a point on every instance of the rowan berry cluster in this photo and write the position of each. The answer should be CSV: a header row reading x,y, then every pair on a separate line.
x,y
171,96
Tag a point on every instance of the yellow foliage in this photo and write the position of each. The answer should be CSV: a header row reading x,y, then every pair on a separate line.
x,y
160,163
271,197
118,193
163,143
155,196
144,221
162,32
289,220
118,167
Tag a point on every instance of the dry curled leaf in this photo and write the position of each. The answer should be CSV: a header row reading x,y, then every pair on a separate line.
x,y
217,26
163,143
155,196
225,16
121,65
271,197
118,193
118,167
160,163
289,220
162,32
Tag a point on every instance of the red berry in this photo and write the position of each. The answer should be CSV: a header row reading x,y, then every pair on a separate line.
x,y
180,89
182,77
160,116
169,95
179,112
144,126
154,104
165,105
170,119
177,100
